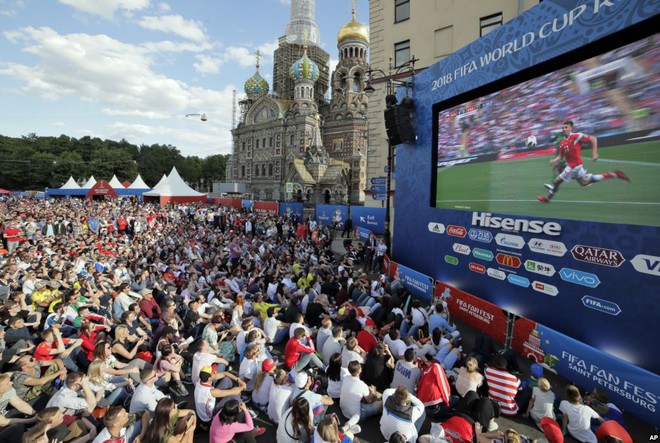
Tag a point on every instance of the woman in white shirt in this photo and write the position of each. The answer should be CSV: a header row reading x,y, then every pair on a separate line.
x,y
469,378
336,373
542,402
263,384
279,396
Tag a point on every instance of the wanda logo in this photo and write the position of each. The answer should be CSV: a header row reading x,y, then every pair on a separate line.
x,y
456,231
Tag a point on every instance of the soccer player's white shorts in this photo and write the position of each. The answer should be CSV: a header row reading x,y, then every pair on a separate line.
x,y
569,173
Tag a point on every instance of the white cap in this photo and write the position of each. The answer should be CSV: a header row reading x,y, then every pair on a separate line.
x,y
301,380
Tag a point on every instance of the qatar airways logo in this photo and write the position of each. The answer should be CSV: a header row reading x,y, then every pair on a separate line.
x,y
487,220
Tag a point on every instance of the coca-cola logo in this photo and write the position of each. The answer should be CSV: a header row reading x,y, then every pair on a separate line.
x,y
456,231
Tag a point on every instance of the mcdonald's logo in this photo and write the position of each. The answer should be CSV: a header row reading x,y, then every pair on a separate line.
x,y
508,260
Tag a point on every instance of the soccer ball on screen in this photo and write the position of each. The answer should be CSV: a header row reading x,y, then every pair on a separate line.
x,y
531,141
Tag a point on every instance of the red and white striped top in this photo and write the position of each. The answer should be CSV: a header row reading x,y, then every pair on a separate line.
x,y
502,388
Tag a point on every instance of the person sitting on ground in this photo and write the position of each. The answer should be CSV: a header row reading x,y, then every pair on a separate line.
x,y
249,367
502,386
577,416
234,423
31,385
298,355
146,395
333,344
116,421
276,331
378,367
542,402
170,424
396,345
169,371
263,384
407,372
402,412
599,401
296,425
352,352
211,387
75,396
305,387
279,396
469,378
336,373
329,430
357,398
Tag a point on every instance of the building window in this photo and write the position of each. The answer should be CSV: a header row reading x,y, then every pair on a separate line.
x,y
270,142
256,170
263,170
243,147
490,22
243,171
256,144
401,53
270,170
401,10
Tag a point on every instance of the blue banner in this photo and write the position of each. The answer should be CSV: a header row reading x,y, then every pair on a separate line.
x,y
629,387
287,209
362,233
331,215
247,204
369,217
420,285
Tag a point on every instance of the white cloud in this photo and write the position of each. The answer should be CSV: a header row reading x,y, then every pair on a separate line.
x,y
9,8
207,65
164,6
58,124
106,8
175,24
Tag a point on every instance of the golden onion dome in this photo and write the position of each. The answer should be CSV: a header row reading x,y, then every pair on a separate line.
x,y
353,29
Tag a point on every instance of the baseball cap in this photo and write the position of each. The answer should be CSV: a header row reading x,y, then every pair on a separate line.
x,y
267,365
551,430
301,380
537,370
205,374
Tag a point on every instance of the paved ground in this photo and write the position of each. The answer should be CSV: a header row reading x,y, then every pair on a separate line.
x,y
371,428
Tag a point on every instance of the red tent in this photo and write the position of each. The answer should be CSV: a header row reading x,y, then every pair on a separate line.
x,y
101,189
126,183
4,191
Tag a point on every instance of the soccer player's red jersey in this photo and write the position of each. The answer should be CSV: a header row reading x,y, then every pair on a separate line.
x,y
571,147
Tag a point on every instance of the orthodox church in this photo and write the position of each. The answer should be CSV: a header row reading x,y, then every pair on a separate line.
x,y
292,144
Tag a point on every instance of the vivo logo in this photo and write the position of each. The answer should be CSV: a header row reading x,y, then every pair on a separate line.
x,y
579,277
647,264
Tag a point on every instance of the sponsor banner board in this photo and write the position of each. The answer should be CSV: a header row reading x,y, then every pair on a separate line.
x,y
420,285
267,208
333,216
287,209
247,204
456,231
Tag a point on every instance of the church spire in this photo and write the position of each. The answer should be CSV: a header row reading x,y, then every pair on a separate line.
x,y
302,23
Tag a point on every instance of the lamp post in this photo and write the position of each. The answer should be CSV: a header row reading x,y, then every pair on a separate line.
x,y
391,77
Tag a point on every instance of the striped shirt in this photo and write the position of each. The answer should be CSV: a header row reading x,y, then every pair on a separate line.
x,y
502,388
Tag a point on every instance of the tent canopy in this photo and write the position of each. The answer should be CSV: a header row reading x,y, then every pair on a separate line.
x,y
115,183
173,186
70,184
101,189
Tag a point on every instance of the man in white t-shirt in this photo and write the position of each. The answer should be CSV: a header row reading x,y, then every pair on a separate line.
x,y
115,421
356,397
204,358
275,330
352,352
146,395
206,394
397,346
333,344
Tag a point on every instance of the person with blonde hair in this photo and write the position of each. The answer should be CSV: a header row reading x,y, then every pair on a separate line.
x,y
108,391
469,378
541,403
577,416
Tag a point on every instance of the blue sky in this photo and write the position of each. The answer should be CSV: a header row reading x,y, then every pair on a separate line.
x,y
134,68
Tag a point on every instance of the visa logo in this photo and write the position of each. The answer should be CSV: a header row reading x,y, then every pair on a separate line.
x,y
579,277
647,264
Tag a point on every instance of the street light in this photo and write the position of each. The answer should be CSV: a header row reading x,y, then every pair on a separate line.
x,y
392,76
202,117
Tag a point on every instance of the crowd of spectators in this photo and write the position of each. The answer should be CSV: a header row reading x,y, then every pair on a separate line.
x,y
117,314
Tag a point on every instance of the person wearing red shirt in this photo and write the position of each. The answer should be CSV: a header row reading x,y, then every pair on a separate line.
x,y
297,355
12,236
149,308
570,149
366,339
53,345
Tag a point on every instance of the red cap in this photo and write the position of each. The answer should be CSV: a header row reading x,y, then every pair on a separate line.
x,y
267,365
551,430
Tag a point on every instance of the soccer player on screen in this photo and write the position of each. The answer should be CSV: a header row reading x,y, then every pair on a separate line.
x,y
569,149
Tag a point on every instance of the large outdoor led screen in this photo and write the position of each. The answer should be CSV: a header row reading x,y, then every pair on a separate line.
x,y
493,152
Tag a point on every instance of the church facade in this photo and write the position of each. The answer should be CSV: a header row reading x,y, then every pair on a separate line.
x,y
292,144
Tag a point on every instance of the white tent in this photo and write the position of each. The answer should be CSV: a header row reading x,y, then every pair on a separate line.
x,y
174,189
138,183
162,180
91,182
115,183
70,184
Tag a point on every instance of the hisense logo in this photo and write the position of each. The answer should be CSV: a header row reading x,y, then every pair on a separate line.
x,y
487,220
